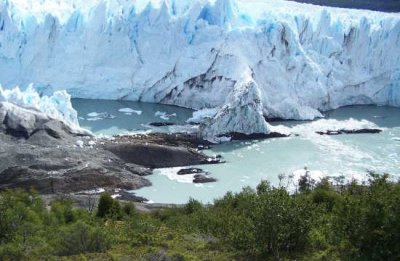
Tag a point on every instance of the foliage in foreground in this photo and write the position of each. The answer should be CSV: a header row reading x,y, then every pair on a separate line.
x,y
321,222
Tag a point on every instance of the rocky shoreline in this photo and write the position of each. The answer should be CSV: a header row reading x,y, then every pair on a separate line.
x,y
46,155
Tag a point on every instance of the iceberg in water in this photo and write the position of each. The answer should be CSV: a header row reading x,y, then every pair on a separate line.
x,y
237,61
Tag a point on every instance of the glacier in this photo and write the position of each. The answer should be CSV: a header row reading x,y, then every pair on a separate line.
x,y
28,103
235,61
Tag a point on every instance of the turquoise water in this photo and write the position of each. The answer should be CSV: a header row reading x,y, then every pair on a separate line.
x,y
252,161
105,117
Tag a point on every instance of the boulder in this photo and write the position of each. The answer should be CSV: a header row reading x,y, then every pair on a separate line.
x,y
189,171
157,156
203,179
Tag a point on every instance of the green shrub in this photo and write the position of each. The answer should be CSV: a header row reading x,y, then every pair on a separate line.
x,y
108,207
82,238
192,206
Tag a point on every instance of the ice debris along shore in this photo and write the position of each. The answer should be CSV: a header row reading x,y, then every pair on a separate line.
x,y
241,60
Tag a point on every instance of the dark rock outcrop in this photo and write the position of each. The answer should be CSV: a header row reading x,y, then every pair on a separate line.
x,y
161,124
157,156
203,179
243,136
189,171
68,180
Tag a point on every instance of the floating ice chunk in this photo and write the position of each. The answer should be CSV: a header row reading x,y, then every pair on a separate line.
x,y
130,111
164,115
96,116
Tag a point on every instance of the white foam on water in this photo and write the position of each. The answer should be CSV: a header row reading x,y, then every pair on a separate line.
x,y
171,174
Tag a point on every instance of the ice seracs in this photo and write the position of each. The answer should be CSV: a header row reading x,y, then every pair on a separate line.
x,y
58,106
300,59
242,113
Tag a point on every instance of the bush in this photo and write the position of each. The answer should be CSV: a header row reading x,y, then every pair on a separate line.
x,y
192,206
108,207
82,238
321,222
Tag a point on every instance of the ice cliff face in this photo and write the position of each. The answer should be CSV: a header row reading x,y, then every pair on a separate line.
x,y
241,59
58,106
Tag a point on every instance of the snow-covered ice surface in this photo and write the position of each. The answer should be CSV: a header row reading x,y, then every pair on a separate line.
x,y
284,59
58,106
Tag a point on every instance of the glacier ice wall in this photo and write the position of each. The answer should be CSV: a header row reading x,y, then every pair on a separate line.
x,y
298,59
58,106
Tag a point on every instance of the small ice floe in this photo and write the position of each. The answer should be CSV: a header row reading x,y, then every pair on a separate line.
x,y
129,111
96,116
163,115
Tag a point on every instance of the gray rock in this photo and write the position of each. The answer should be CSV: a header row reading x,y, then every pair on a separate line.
x,y
203,179
19,122
157,156
189,171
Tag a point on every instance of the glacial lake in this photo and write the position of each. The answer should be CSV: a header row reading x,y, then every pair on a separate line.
x,y
249,162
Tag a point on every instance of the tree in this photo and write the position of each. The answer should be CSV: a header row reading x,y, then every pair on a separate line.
x,y
108,207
